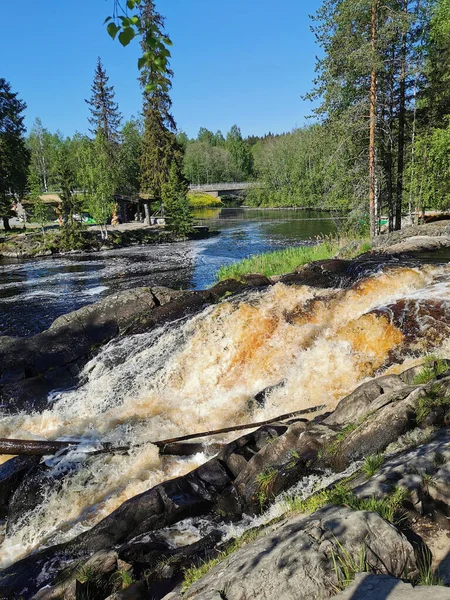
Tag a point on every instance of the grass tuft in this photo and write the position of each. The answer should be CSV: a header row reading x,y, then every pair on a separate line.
x,y
426,574
346,565
389,507
372,464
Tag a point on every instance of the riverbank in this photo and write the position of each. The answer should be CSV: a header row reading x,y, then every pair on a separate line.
x,y
281,262
33,244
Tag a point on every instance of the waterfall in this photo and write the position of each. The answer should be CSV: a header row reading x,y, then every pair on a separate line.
x,y
203,372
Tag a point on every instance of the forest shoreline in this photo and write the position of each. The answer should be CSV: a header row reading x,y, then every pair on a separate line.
x,y
31,244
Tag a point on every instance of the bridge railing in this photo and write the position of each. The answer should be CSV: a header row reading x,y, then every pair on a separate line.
x,y
215,187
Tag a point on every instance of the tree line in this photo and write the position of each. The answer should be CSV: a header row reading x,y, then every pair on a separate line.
x,y
379,143
142,157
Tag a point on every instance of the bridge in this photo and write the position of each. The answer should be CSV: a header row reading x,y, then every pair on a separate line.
x,y
222,189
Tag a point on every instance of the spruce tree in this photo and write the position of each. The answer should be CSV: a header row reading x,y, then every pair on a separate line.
x,y
160,147
106,117
14,156
176,206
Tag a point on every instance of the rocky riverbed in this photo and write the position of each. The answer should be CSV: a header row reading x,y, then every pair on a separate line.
x,y
293,509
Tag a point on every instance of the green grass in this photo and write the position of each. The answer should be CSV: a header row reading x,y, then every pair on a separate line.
x,y
278,262
431,402
201,200
124,578
426,574
286,261
346,566
332,449
432,367
389,507
372,464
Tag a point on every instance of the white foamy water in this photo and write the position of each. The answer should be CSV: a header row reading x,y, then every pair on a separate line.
x,y
199,374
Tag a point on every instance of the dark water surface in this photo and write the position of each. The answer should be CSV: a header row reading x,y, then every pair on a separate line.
x,y
34,292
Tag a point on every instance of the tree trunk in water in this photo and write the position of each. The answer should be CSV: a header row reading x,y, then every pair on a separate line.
x,y
373,99
401,131
6,224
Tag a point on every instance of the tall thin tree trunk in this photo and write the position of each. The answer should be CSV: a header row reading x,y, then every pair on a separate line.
x,y
401,130
413,153
6,224
372,116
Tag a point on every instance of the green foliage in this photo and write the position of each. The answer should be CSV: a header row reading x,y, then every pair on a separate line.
x,y
126,26
427,576
14,156
85,573
434,400
285,261
346,565
266,479
372,464
98,175
176,205
105,116
278,262
124,578
432,368
129,157
200,200
390,507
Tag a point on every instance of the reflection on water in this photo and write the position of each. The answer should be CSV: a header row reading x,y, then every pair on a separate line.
x,y
34,292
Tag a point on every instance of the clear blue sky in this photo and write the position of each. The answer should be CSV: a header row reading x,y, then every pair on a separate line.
x,y
235,61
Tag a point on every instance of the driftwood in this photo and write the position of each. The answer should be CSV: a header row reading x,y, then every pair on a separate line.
x,y
172,446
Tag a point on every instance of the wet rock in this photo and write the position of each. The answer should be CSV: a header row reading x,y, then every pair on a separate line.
x,y
163,505
278,465
92,578
357,404
182,306
322,274
227,287
12,473
256,280
379,430
294,559
368,586
136,591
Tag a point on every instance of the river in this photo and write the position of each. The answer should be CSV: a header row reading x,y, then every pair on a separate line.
x,y
34,292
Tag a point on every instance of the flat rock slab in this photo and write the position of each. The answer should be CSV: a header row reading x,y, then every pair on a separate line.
x,y
383,587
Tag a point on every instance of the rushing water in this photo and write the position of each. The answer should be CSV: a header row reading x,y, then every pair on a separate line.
x,y
202,373
34,292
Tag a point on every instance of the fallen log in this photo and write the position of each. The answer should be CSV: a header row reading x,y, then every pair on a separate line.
x,y
172,446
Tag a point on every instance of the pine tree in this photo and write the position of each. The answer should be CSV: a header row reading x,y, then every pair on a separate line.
x,y
14,156
176,206
160,147
106,117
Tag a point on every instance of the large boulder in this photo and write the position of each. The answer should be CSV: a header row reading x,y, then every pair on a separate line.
x,y
295,558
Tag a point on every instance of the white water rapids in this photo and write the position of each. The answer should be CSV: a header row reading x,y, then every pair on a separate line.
x,y
200,374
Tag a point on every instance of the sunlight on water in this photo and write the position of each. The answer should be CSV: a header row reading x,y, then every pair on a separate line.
x,y
201,374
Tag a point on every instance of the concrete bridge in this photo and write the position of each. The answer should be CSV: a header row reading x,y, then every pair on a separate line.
x,y
221,189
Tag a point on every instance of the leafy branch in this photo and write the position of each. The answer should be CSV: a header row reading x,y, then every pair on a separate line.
x,y
125,24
